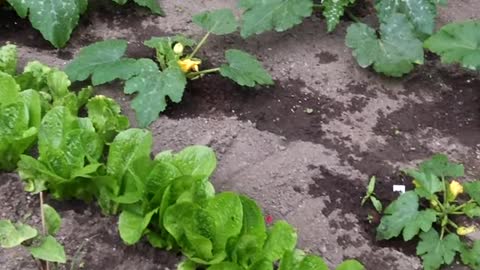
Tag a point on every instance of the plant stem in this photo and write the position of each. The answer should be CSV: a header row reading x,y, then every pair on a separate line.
x,y
352,17
317,6
199,45
442,233
44,227
202,72
462,206
452,224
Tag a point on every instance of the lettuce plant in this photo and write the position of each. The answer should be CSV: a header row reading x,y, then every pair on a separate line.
x,y
436,212
155,83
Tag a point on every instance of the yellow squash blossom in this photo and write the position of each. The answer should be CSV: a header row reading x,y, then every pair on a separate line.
x,y
187,65
454,188
178,48
416,183
466,230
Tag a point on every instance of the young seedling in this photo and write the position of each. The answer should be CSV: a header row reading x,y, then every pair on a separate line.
x,y
43,247
370,195
435,205
177,62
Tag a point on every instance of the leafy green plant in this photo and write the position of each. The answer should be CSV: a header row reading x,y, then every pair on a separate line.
x,y
57,19
457,43
42,246
397,47
176,56
25,98
433,206
370,195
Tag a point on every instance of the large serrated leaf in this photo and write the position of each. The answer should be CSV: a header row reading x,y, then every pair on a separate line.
x,y
457,43
394,53
421,13
403,215
333,10
435,251
53,18
266,15
244,69
153,88
219,22
96,57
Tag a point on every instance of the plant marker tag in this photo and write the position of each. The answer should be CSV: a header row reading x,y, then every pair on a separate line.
x,y
399,188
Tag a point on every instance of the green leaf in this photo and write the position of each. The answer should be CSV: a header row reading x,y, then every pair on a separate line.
x,y
470,255
282,237
472,210
244,69
297,260
54,19
128,146
377,204
457,43
427,183
187,265
150,4
350,265
9,89
266,15
52,219
14,235
132,225
164,48
219,22
394,53
99,56
435,251
153,88
225,266
403,215
473,190
440,166
49,250
8,59
421,13
106,117
370,190
333,10
197,160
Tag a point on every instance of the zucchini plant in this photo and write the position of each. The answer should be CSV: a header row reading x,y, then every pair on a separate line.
x,y
177,62
56,19
440,211
406,29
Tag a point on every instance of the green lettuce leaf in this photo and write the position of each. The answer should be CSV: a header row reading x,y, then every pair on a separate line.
x,y
106,117
333,10
8,59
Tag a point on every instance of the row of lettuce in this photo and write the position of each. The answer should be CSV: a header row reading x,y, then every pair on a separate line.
x,y
167,199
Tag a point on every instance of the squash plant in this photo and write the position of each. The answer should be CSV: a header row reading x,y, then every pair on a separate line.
x,y
56,19
177,62
438,212
394,49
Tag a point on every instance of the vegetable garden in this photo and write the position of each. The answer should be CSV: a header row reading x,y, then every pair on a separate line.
x,y
239,134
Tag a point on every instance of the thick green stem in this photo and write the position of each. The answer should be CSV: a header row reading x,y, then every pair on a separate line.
x,y
442,233
451,223
460,207
352,17
199,45
202,72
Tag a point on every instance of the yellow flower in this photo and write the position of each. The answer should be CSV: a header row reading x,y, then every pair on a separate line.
x,y
187,65
466,230
455,188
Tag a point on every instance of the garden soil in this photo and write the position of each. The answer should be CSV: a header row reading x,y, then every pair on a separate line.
x,y
304,148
